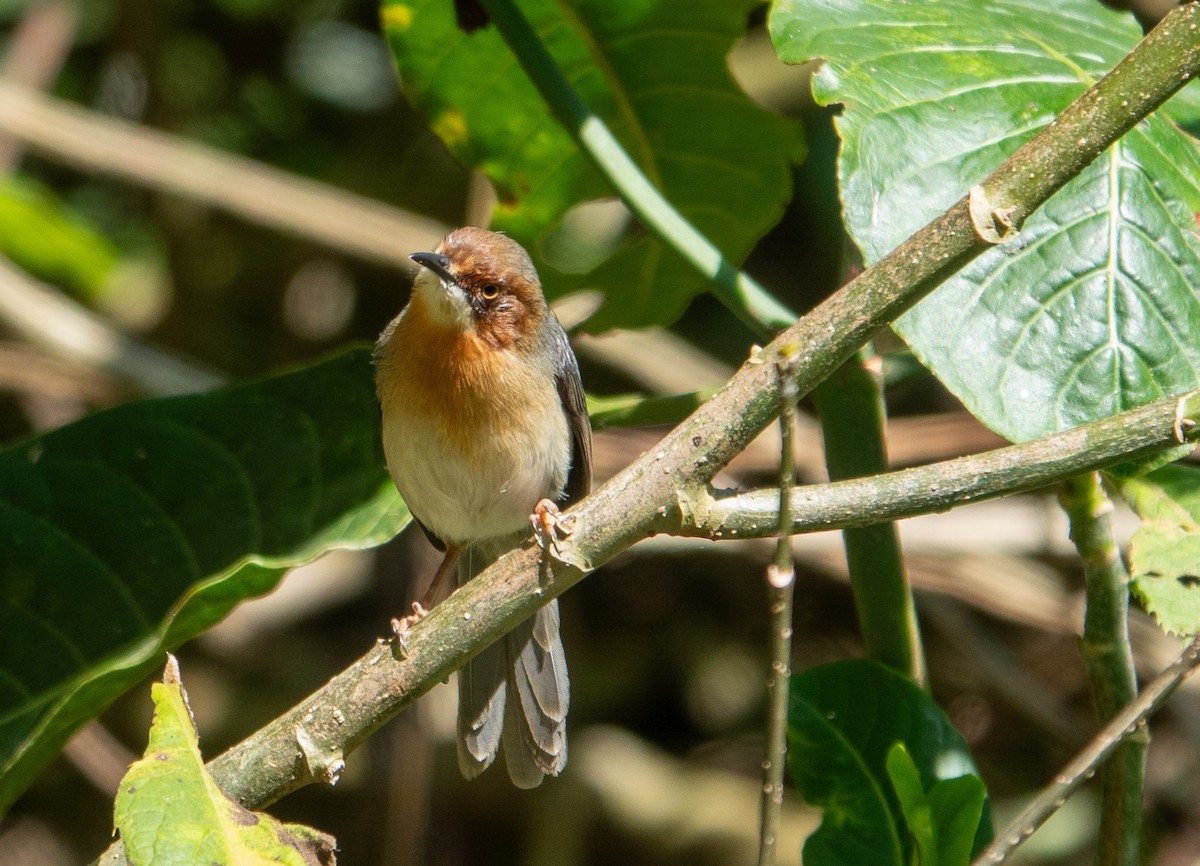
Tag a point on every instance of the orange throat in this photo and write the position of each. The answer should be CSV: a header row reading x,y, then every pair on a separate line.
x,y
445,375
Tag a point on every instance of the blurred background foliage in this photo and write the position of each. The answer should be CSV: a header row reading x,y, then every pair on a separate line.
x,y
667,644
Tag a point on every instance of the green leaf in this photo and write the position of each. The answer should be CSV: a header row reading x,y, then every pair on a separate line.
x,y
128,532
655,71
1184,108
635,410
957,805
914,805
1092,309
1164,553
45,239
171,813
843,720
943,820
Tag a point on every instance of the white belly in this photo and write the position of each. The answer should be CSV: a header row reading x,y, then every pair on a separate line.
x,y
467,497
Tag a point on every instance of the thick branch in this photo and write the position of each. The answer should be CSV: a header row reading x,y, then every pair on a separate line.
x,y
634,504
377,687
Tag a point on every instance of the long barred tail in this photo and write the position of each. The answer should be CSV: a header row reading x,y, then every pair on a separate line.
x,y
515,693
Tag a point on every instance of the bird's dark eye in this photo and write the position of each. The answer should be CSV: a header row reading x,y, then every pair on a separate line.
x,y
490,292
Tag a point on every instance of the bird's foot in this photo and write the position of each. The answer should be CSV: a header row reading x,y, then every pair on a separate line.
x,y
401,625
550,526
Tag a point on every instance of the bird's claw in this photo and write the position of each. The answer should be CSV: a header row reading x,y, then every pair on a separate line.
x,y
550,526
401,625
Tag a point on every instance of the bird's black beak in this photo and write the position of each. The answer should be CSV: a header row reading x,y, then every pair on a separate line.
x,y
436,262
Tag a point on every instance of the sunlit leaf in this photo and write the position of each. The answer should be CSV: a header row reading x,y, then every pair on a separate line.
x,y
1093,309
171,813
1164,553
42,237
655,71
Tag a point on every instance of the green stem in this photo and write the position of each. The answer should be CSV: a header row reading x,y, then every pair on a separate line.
x,y
781,583
853,422
1109,659
748,300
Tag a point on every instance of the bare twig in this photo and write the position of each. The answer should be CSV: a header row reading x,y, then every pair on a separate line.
x,y
49,319
35,54
940,486
1124,724
781,583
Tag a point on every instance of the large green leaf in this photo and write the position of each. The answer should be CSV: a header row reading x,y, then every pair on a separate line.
x,y
171,813
132,530
655,71
843,720
1093,309
1164,553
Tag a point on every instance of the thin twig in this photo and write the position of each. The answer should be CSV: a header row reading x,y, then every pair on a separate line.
x,y
1122,725
48,318
781,583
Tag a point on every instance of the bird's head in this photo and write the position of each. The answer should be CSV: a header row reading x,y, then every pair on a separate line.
x,y
482,282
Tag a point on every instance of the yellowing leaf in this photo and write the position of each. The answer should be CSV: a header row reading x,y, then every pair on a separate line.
x,y
171,813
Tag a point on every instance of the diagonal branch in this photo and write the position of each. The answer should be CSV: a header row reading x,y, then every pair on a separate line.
x,y
378,686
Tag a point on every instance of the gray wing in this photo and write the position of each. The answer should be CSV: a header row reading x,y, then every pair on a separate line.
x,y
570,392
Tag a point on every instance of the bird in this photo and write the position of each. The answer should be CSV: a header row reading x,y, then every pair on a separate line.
x,y
485,431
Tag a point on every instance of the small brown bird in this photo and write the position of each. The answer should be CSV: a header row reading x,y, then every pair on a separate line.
x,y
485,428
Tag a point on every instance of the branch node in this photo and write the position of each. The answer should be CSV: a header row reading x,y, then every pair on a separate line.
x,y
993,225
780,578
1185,426
323,763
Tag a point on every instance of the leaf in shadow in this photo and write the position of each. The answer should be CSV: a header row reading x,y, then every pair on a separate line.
x,y
843,720
132,530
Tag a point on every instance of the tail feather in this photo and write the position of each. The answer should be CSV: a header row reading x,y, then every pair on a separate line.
x,y
537,678
543,669
515,695
481,698
520,760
